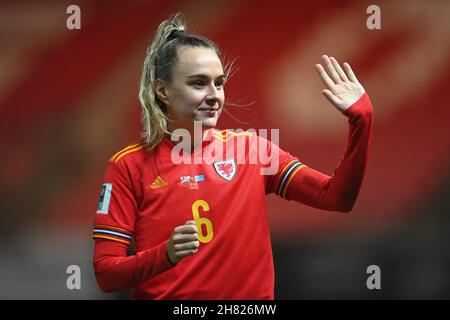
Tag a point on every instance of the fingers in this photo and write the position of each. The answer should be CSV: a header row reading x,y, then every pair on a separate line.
x,y
176,256
185,233
183,254
188,227
183,242
331,97
331,70
343,86
192,245
325,78
338,69
350,73
182,238
335,73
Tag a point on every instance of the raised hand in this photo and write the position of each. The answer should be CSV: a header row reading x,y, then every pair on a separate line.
x,y
343,87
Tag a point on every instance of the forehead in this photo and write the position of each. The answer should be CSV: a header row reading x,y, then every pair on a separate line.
x,y
198,61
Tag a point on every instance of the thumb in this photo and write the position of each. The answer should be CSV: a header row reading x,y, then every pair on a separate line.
x,y
333,99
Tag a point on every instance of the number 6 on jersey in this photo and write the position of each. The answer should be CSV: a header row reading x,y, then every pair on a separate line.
x,y
199,221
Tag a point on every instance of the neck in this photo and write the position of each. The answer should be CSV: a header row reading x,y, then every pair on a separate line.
x,y
195,134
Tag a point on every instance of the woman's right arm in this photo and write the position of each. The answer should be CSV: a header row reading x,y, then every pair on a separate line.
x,y
116,271
113,230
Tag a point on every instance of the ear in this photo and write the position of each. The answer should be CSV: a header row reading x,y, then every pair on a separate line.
x,y
160,90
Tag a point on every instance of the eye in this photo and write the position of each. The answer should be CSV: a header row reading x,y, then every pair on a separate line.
x,y
198,84
220,84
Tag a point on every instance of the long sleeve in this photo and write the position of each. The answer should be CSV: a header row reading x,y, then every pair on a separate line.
x,y
340,191
114,224
116,271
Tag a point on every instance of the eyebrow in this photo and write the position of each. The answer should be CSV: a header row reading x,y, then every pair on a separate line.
x,y
204,76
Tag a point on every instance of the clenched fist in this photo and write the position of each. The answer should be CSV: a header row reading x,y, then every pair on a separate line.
x,y
183,242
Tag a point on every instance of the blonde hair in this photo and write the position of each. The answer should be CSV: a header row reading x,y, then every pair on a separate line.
x,y
158,64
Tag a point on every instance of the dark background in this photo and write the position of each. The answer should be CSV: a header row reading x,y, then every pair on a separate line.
x,y
68,101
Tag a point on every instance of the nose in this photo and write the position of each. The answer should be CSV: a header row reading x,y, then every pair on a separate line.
x,y
213,96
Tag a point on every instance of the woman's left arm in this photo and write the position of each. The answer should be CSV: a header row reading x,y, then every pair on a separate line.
x,y
340,191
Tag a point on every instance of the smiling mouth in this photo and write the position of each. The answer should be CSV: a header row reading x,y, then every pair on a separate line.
x,y
209,112
210,109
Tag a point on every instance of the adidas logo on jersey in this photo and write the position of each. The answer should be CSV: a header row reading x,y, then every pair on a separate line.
x,y
158,183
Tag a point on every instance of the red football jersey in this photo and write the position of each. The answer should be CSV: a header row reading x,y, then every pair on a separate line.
x,y
147,194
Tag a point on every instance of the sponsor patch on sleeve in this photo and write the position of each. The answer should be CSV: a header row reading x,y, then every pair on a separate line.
x,y
105,198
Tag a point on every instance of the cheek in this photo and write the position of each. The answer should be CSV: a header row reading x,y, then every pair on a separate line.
x,y
184,101
193,97
221,96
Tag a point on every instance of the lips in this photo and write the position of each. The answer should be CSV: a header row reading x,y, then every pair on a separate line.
x,y
208,109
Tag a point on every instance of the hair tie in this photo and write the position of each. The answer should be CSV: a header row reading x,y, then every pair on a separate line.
x,y
176,34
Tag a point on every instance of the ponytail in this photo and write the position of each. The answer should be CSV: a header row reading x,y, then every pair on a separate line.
x,y
154,118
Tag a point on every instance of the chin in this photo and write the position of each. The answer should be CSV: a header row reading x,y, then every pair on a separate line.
x,y
209,123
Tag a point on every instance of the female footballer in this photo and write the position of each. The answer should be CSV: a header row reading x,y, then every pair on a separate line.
x,y
200,229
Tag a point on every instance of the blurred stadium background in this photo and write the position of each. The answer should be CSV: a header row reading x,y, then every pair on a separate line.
x,y
68,101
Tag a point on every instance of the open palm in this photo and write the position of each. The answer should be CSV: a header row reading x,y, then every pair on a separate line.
x,y
343,87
